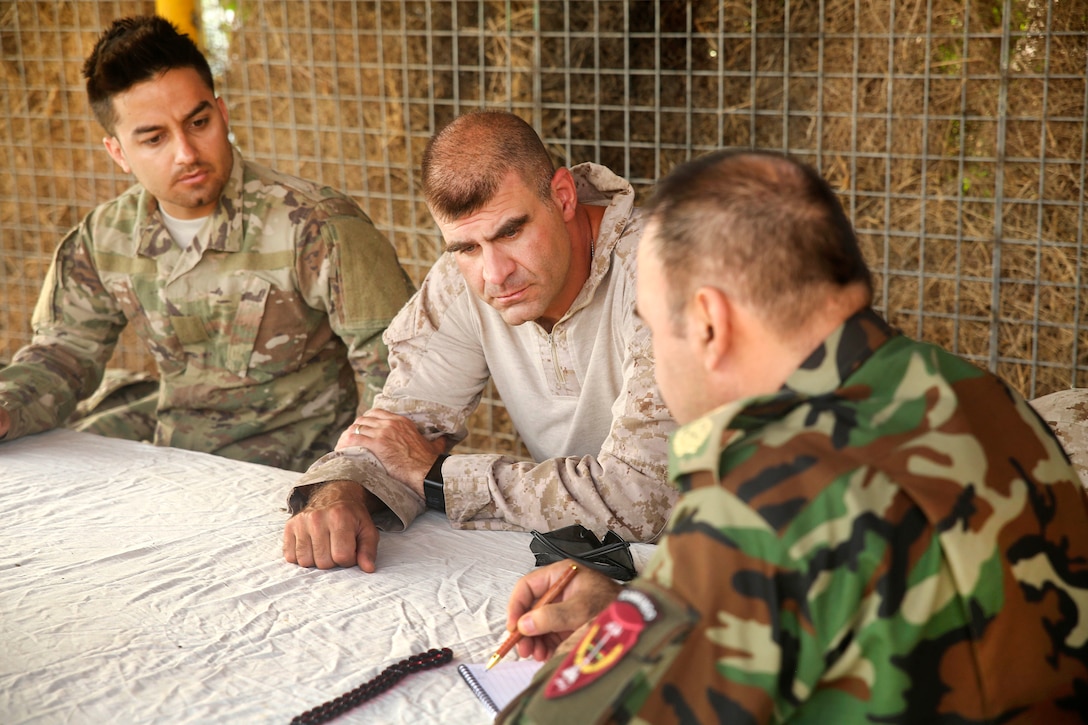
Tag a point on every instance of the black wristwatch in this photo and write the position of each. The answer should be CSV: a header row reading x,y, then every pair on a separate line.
x,y
434,492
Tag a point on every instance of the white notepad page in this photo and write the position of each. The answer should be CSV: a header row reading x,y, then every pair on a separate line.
x,y
496,687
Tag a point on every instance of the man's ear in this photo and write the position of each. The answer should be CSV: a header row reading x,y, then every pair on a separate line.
x,y
113,147
711,323
564,192
223,109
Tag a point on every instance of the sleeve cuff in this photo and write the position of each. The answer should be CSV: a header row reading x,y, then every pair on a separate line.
x,y
362,467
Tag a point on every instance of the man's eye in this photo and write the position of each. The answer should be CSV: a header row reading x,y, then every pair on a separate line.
x,y
200,122
467,249
152,140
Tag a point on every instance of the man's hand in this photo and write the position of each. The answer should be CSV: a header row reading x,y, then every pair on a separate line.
x,y
335,529
545,629
395,440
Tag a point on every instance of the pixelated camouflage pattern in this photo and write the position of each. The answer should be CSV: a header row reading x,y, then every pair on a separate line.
x,y
582,397
1066,411
894,537
266,331
123,406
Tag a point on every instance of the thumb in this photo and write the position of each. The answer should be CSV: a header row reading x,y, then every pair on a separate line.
x,y
526,625
559,617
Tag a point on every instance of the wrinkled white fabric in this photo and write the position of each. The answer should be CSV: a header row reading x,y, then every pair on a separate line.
x,y
146,584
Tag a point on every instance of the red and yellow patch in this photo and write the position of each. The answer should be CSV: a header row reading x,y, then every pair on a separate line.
x,y
610,637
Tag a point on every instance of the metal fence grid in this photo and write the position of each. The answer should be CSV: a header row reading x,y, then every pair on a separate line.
x,y
955,132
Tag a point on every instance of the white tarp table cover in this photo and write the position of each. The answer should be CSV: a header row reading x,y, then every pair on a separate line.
x,y
147,585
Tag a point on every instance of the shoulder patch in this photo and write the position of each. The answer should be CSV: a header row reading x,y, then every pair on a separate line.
x,y
609,638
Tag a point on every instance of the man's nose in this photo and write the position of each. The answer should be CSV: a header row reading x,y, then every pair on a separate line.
x,y
184,152
497,266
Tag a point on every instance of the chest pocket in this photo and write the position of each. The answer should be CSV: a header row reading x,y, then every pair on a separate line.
x,y
244,329
619,693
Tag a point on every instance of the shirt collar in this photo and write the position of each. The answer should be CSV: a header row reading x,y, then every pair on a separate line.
x,y
697,445
225,228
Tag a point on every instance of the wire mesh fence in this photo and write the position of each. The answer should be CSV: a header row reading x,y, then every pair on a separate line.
x,y
955,132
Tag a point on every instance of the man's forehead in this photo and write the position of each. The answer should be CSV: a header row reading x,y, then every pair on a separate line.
x,y
507,206
183,89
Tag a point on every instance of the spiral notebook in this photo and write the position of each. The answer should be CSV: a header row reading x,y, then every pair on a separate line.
x,y
496,687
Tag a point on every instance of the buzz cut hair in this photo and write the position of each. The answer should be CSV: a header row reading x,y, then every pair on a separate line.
x,y
465,164
762,224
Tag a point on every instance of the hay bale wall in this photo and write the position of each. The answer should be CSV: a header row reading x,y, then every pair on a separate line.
x,y
955,132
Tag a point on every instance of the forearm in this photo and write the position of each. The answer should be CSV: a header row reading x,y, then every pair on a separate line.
x,y
76,326
400,505
40,389
607,492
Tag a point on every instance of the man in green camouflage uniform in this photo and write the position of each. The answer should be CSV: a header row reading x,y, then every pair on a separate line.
x,y
870,529
262,297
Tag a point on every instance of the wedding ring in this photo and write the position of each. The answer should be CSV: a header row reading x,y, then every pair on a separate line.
x,y
355,429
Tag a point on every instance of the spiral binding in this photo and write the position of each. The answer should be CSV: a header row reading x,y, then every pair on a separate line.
x,y
386,679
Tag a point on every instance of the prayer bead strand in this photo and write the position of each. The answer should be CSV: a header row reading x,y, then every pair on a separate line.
x,y
386,679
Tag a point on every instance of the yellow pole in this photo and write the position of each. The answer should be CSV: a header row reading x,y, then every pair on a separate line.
x,y
185,14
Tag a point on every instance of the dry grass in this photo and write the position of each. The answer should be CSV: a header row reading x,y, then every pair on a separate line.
x,y
902,116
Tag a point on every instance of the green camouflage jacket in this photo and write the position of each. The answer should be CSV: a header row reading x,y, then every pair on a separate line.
x,y
894,537
266,331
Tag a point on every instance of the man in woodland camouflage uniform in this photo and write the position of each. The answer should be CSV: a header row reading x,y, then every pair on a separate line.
x,y
536,292
870,529
261,297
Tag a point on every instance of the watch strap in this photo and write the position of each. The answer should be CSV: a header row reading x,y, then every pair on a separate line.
x,y
434,492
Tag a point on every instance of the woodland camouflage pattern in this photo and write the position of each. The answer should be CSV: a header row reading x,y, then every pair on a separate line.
x,y
265,331
894,537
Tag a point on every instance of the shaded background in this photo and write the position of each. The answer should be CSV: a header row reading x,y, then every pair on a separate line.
x,y
954,131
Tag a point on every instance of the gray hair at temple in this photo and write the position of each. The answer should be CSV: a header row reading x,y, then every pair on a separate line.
x,y
760,225
465,163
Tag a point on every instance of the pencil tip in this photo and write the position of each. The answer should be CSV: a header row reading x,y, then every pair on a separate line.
x,y
491,662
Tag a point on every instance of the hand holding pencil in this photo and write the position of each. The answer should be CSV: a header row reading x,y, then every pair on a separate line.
x,y
515,636
549,603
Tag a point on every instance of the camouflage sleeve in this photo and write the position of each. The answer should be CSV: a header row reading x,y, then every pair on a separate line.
x,y
729,627
696,638
362,467
347,267
624,488
847,616
406,337
76,326
1066,411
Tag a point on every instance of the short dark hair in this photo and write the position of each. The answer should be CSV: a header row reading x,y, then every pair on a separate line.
x,y
765,225
465,162
133,50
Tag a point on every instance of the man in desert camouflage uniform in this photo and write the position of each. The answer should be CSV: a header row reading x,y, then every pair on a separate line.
x,y
1067,413
870,529
261,297
536,292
